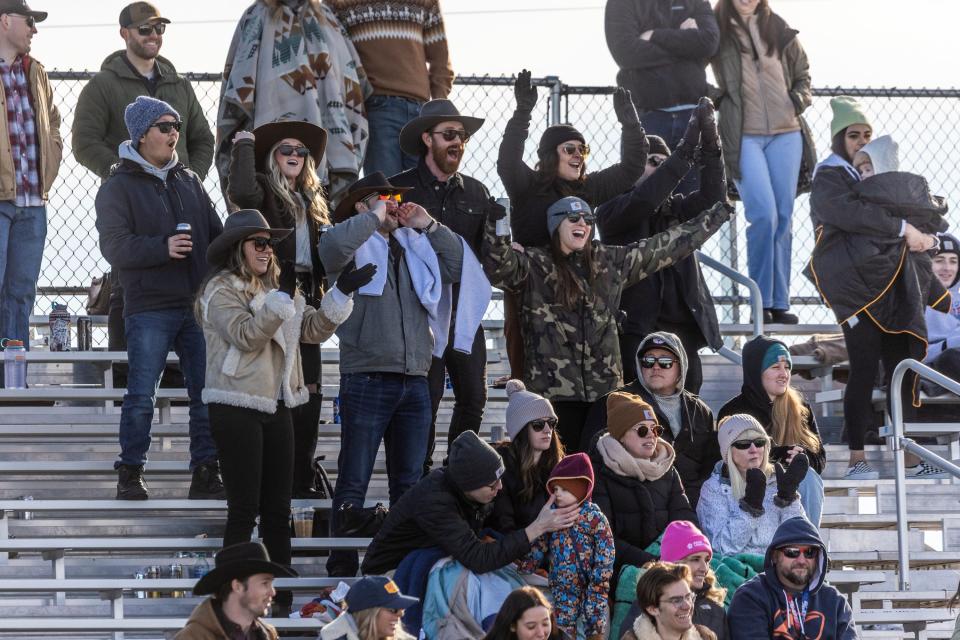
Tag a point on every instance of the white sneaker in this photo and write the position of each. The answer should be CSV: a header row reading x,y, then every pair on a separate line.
x,y
927,471
861,471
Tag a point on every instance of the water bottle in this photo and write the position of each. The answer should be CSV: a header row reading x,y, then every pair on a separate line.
x,y
59,321
503,224
14,364
336,410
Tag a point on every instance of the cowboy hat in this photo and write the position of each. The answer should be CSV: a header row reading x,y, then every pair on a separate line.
x,y
266,135
376,182
239,225
431,114
237,562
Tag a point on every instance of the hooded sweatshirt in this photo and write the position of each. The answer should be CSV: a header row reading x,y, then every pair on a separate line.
x,y
671,405
127,152
759,607
884,154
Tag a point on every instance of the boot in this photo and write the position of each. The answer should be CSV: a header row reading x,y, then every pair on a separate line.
x,y
782,316
130,484
206,483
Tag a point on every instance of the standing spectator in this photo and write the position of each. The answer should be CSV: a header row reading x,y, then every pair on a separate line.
x,y
438,138
789,598
784,414
525,615
764,80
675,299
274,170
374,611
138,209
403,48
386,346
943,328
687,421
662,49
29,163
292,60
667,604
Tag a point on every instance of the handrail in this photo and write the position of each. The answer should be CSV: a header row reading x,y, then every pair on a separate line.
x,y
756,300
899,442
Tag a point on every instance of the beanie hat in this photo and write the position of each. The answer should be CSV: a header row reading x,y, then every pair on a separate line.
x,y
472,463
658,145
681,539
556,135
524,406
775,353
564,206
575,474
739,426
143,112
625,410
948,244
846,111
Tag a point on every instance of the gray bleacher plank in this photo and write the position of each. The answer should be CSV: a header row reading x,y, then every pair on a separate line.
x,y
147,544
68,624
48,585
141,505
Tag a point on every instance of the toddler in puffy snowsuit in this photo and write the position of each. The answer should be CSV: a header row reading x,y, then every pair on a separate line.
x,y
579,560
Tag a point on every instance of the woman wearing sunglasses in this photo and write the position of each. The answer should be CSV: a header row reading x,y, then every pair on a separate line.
x,y
667,605
253,320
529,456
746,498
374,611
274,170
637,486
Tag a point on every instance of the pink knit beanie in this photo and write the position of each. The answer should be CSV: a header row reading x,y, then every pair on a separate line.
x,y
681,539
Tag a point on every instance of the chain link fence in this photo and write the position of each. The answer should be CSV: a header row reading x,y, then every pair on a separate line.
x,y
925,122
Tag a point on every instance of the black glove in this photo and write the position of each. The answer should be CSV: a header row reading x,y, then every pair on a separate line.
x,y
691,137
495,210
288,279
525,92
752,501
789,480
707,116
352,278
624,108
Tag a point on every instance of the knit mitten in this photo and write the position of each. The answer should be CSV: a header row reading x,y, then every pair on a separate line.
x,y
788,480
752,501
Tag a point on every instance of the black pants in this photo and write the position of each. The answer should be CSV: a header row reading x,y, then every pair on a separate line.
x,y
468,377
306,417
868,346
571,416
691,338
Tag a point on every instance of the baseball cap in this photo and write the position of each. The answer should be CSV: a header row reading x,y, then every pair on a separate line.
x,y
136,14
20,8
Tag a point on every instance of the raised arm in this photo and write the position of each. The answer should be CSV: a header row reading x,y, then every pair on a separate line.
x,y
243,188
516,176
339,243
506,268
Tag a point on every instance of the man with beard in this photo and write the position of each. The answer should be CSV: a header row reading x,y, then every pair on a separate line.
x,y
438,137
789,599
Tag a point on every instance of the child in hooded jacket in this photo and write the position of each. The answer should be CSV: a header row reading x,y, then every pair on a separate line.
x,y
580,558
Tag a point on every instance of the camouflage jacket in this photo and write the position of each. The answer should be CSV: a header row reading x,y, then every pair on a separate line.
x,y
574,353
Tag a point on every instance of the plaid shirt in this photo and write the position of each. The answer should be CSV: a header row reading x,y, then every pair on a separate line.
x,y
21,124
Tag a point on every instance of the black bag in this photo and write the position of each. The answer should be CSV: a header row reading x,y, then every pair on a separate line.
x,y
321,481
360,522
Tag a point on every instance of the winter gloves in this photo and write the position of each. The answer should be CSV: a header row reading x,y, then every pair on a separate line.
x,y
495,210
525,92
288,281
789,480
752,500
707,116
624,108
352,278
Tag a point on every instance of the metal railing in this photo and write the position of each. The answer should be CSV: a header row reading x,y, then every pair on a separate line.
x,y
900,444
756,301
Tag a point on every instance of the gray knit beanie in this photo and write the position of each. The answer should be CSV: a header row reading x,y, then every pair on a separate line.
x,y
143,112
739,426
564,207
472,463
524,406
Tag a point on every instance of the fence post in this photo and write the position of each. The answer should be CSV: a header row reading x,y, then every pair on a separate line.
x,y
556,90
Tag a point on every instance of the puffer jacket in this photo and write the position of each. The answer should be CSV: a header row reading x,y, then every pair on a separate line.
x,y
574,354
644,629
204,625
510,511
253,353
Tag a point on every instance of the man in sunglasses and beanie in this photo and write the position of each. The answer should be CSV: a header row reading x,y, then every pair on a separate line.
x,y
789,598
155,222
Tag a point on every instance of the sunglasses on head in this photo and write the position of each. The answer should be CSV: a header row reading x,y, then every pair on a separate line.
x,y
452,134
571,148
167,127
146,29
289,150
643,430
261,244
743,445
794,552
574,217
540,425
654,162
664,362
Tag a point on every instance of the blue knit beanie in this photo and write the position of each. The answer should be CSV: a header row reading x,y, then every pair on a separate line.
x,y
143,112
776,352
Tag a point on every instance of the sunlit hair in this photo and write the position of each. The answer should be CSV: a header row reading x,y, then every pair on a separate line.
x,y
307,183
738,482
532,473
547,174
791,422
513,608
655,580
570,286
366,620
236,265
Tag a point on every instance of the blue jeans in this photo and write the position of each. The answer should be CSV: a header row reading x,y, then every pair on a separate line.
x,y
386,116
811,496
150,336
23,231
671,125
769,166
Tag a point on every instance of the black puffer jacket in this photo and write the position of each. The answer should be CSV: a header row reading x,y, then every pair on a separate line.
x,y
435,513
510,510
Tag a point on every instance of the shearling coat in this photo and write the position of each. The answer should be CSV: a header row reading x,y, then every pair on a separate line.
x,y
253,354
204,625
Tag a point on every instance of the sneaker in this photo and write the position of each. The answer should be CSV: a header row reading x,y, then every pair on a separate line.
x,y
206,483
861,471
782,316
926,471
130,484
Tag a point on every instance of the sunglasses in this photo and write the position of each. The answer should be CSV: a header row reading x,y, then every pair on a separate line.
x,y
743,445
643,430
146,29
261,244
571,148
452,134
794,552
288,150
575,217
374,197
167,127
540,425
664,362
654,162
30,20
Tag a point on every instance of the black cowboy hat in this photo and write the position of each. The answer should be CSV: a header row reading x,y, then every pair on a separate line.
x,y
376,182
266,135
239,561
239,225
431,114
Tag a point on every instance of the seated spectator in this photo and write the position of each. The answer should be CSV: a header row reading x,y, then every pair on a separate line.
x,y
746,498
683,543
579,559
637,487
446,509
525,615
784,414
529,457
943,328
374,611
666,604
687,421
789,599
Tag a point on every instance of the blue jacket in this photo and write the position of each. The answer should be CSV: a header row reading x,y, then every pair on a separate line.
x,y
758,610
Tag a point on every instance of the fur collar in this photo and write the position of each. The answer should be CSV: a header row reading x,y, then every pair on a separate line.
x,y
644,629
619,460
344,627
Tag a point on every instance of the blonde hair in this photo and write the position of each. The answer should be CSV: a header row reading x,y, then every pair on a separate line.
x,y
738,482
712,592
791,422
236,265
307,183
366,620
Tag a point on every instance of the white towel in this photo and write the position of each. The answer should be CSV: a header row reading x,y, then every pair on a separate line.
x,y
472,303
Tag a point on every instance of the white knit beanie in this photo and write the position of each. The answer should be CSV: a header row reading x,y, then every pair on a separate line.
x,y
524,406
739,426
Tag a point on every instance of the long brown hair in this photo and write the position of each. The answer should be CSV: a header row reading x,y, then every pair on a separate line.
x,y
237,265
791,422
767,27
547,176
532,473
570,286
513,608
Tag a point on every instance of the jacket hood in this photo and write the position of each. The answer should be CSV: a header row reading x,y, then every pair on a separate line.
x,y
833,160
115,63
127,152
664,340
575,466
797,530
884,154
753,354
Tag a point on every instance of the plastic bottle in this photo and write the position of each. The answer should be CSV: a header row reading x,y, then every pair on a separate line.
x,y
336,410
59,321
14,365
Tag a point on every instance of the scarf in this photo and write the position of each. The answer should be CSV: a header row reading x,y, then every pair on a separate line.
x,y
623,464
